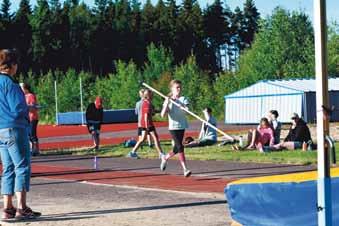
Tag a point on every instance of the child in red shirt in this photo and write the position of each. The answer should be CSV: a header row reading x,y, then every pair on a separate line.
x,y
147,125
33,116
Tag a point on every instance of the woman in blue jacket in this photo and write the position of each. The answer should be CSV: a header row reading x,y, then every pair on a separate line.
x,y
14,145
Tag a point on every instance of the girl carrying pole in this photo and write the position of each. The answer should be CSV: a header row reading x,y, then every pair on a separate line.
x,y
177,124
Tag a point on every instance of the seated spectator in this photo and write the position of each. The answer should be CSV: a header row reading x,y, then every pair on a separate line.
x,y
261,137
297,135
208,135
276,125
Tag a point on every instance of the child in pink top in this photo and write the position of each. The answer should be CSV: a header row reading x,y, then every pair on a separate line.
x,y
262,136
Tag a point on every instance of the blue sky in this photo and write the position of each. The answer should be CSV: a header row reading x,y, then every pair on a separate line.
x,y
265,6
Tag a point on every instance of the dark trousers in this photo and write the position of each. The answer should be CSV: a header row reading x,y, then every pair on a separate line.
x,y
178,136
33,131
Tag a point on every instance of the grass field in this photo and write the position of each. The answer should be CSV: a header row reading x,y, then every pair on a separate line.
x,y
223,153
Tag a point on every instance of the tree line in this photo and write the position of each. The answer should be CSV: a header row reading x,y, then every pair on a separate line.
x,y
55,35
115,44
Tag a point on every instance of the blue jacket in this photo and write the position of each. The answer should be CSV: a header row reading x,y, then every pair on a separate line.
x,y
13,107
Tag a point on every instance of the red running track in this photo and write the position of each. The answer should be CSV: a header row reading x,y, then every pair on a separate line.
x,y
130,178
55,131
89,143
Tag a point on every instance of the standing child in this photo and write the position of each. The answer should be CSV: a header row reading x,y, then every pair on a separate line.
x,y
33,116
146,125
177,125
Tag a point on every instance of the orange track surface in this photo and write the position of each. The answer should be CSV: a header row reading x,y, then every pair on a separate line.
x,y
146,180
54,131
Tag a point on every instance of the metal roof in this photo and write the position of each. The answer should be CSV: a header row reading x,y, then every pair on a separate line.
x,y
280,87
305,85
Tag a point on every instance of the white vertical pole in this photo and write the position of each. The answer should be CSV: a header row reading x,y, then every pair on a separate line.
x,y
56,101
324,179
81,104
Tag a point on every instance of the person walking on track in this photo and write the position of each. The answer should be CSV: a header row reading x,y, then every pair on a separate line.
x,y
177,124
138,113
147,125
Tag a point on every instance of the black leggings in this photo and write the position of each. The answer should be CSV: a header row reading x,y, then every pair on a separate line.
x,y
178,136
33,134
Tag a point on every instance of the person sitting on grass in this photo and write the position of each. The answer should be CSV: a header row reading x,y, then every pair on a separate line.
x,y
261,137
208,135
94,118
297,135
276,125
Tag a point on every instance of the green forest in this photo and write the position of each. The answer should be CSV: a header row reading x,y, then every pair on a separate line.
x,y
115,44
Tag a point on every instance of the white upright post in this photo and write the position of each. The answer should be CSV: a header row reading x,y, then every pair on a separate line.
x,y
81,104
56,102
324,180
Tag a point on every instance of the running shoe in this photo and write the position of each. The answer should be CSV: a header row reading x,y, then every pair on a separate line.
x,y
26,213
8,214
187,173
163,164
162,155
133,155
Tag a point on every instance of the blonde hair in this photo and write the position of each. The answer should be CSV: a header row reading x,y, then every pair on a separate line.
x,y
172,83
141,93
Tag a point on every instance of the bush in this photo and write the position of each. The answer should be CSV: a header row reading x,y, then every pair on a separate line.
x,y
196,85
120,90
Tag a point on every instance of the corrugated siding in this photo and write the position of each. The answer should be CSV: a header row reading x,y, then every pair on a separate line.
x,y
248,110
286,96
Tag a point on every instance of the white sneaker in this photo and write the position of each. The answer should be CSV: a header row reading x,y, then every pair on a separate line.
x,y
163,164
162,155
187,173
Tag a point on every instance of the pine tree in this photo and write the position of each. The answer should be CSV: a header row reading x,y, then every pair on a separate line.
x,y
41,36
161,24
81,27
123,28
172,12
137,50
59,30
6,15
216,29
237,33
190,31
100,7
6,21
251,19
72,3
23,31
148,19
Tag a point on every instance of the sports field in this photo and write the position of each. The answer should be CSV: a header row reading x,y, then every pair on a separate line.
x,y
125,191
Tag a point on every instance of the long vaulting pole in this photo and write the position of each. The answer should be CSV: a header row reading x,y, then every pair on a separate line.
x,y
324,179
189,112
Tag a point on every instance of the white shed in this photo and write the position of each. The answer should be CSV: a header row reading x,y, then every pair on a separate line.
x,y
248,105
